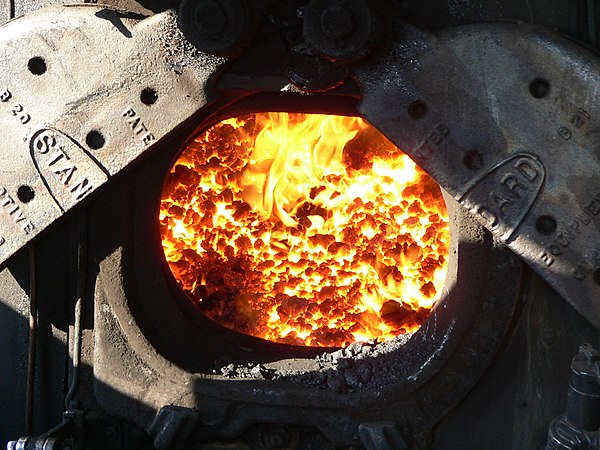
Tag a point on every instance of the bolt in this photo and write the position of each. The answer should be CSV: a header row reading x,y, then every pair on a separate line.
x,y
211,18
337,22
312,73
17,445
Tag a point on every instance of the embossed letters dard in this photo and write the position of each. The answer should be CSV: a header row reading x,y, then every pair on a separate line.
x,y
503,196
513,186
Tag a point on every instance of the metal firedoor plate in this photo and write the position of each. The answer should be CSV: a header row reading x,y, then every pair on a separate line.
x,y
84,91
504,116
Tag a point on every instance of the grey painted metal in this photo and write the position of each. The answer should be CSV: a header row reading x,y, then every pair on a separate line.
x,y
72,115
506,118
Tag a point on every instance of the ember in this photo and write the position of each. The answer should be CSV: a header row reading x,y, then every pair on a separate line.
x,y
305,229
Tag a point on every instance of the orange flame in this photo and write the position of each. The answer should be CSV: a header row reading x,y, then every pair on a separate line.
x,y
305,229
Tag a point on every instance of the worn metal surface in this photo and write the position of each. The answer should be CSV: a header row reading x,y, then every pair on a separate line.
x,y
73,113
149,345
342,31
525,390
505,117
221,27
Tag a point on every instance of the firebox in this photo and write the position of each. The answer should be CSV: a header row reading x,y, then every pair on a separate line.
x,y
299,224
276,377
305,229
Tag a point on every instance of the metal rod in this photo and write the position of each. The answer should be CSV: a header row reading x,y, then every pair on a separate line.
x,y
78,310
76,351
32,351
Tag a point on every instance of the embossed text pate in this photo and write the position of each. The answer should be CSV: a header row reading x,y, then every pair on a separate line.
x,y
139,128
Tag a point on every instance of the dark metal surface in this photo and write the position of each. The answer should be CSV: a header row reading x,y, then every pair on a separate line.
x,y
583,402
526,389
343,31
381,436
221,27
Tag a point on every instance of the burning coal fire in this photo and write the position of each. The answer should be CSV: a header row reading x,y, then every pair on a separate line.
x,y
305,229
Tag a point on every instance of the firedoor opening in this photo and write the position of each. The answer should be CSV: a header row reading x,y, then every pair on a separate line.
x,y
304,229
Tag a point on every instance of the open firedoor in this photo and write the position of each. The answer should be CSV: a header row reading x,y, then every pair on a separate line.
x,y
300,224
311,230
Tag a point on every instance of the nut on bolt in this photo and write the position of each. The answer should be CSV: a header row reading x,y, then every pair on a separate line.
x,y
215,26
313,73
211,18
343,31
222,27
337,22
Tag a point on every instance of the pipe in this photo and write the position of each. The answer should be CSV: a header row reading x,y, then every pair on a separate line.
x,y
32,350
79,305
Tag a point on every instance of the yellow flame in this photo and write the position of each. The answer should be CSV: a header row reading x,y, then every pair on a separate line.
x,y
305,229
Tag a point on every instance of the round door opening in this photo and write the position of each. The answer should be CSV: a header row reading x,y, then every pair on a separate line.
x,y
305,229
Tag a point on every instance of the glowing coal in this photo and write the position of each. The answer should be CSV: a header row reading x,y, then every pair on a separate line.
x,y
305,229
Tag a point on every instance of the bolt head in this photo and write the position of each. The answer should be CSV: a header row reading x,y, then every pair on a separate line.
x,y
337,22
210,18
